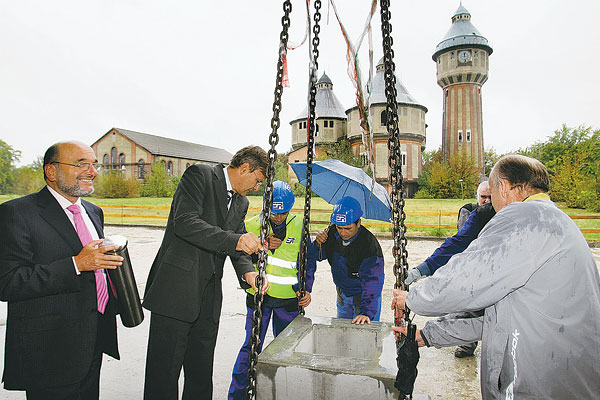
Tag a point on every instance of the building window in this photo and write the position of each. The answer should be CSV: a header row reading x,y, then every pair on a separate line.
x,y
299,125
452,55
141,172
122,161
475,53
383,118
364,159
331,124
468,135
113,157
404,159
105,160
170,168
460,135
304,125
316,130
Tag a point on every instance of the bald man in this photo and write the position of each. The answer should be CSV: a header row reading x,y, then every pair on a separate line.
x,y
61,309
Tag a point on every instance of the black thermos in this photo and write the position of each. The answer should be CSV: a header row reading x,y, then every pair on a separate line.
x,y
123,281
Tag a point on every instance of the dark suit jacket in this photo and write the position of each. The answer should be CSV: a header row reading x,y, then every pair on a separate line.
x,y
200,234
52,312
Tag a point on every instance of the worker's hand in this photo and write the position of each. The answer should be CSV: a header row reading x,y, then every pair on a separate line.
x,y
322,236
402,330
399,300
412,276
304,301
249,243
361,320
274,242
250,278
92,257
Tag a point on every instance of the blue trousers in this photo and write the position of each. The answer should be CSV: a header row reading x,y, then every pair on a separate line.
x,y
349,307
239,377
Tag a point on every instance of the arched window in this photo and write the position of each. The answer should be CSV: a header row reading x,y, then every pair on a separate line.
x,y
113,157
141,172
383,118
170,168
105,160
122,161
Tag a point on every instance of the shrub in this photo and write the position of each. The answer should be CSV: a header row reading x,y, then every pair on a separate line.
x,y
159,183
113,186
422,194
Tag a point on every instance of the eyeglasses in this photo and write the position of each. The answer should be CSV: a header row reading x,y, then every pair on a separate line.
x,y
258,180
84,166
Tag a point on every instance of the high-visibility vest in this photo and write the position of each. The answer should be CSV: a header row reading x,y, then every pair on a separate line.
x,y
281,266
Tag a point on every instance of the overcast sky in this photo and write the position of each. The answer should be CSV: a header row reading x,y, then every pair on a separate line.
x,y
204,71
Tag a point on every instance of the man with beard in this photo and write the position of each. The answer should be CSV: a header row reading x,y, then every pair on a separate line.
x,y
61,309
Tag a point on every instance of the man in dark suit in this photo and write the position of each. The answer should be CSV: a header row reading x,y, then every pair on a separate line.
x,y
206,224
61,310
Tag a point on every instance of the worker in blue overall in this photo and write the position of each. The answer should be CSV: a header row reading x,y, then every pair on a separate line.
x,y
281,301
356,261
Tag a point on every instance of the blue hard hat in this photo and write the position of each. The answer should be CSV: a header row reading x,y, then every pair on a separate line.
x,y
346,211
283,198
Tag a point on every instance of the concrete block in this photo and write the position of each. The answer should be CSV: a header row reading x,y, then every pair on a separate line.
x,y
325,358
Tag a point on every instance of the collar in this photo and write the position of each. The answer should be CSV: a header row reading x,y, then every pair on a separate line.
x,y
347,242
538,196
227,183
62,201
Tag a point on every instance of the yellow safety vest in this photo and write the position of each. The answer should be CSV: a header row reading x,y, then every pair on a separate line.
x,y
281,266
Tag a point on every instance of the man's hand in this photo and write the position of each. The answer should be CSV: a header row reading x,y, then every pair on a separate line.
x,y
92,257
413,275
274,242
304,301
402,330
399,300
322,236
250,278
361,320
249,243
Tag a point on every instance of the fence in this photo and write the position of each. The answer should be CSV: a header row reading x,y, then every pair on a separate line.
x,y
146,214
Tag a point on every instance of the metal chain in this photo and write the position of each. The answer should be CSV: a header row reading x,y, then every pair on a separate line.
x,y
309,153
268,198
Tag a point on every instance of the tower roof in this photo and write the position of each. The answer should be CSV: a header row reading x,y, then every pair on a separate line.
x,y
327,103
378,93
462,33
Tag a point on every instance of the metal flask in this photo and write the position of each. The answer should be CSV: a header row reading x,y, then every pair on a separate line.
x,y
123,281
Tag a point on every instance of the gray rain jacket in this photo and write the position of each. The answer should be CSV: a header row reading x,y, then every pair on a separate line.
x,y
533,273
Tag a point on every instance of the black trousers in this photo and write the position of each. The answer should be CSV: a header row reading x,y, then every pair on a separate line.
x,y
172,344
88,388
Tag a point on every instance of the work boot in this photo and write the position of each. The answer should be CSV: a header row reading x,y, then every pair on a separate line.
x,y
465,350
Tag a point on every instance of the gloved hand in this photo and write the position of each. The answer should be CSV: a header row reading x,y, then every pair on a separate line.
x,y
412,276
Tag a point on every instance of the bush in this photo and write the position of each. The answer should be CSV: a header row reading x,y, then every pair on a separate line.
x,y
422,194
113,186
159,183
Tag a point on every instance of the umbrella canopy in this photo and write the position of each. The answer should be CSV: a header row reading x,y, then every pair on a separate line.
x,y
333,179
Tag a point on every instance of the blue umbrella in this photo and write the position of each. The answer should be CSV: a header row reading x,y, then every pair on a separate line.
x,y
333,179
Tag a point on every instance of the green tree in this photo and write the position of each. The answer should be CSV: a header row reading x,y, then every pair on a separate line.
x,y
114,185
27,179
342,150
443,180
8,156
490,157
159,183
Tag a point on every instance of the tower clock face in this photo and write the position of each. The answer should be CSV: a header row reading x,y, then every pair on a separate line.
x,y
464,56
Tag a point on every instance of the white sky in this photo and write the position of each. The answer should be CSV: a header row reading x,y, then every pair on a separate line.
x,y
204,71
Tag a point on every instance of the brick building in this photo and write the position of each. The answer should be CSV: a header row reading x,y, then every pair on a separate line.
x,y
133,153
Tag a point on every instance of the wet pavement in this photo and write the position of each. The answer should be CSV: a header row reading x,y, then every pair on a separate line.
x,y
441,375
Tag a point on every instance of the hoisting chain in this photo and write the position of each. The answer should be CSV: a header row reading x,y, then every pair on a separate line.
x,y
395,159
268,198
309,152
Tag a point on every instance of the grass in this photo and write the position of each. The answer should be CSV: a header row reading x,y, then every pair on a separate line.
x,y
154,211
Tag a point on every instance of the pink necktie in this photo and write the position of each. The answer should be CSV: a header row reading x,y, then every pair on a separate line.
x,y
85,236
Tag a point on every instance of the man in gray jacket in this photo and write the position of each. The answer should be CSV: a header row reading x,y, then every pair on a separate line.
x,y
533,273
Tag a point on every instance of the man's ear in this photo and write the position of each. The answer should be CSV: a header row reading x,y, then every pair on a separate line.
x,y
50,171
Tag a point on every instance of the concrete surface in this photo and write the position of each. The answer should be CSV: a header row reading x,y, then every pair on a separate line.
x,y
441,375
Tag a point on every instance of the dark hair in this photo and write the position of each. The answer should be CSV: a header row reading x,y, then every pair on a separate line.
x,y
50,156
253,155
521,171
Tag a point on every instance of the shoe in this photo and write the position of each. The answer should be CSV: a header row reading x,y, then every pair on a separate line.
x,y
462,353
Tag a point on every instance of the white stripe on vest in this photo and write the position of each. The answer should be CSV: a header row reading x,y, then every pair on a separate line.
x,y
281,263
282,280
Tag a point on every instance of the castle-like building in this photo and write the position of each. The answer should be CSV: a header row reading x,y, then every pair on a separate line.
x,y
335,123
462,60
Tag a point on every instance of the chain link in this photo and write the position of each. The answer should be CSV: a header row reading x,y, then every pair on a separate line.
x,y
268,198
309,153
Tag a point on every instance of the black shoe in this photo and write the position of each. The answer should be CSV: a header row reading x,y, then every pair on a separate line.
x,y
462,353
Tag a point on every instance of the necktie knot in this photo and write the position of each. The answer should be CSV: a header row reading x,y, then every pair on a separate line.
x,y
74,208
229,195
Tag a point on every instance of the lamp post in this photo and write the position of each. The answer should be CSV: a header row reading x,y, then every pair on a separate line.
x,y
462,191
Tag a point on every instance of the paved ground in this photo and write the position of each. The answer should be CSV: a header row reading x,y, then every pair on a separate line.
x,y
441,375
